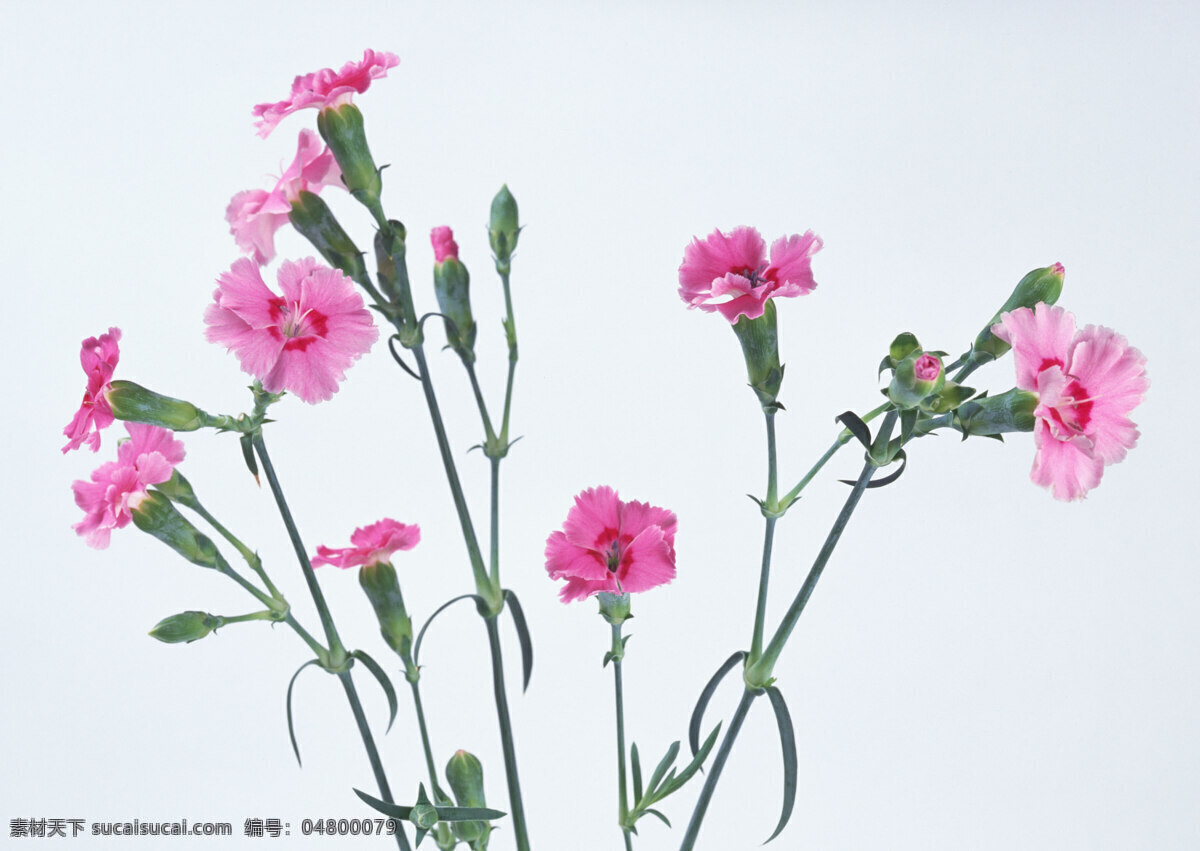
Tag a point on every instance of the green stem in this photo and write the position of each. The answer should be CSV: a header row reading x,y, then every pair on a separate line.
x,y
248,555
622,793
510,331
433,781
483,411
760,611
714,771
224,567
364,730
337,652
495,530
842,440
506,736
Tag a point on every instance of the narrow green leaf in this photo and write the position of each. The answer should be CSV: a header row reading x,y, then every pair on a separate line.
x,y
660,816
697,761
636,764
854,424
706,696
787,741
384,807
908,421
468,814
248,455
291,727
384,682
518,616
663,765
421,635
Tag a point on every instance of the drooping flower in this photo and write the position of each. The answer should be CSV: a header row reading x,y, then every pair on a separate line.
x,y
372,544
443,243
730,272
256,214
118,487
98,356
1087,383
326,88
301,342
610,545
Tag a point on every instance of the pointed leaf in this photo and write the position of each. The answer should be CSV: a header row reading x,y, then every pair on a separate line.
x,y
908,421
887,480
421,635
637,772
291,727
787,741
518,616
697,761
248,455
706,696
384,682
855,426
384,807
468,814
660,816
663,765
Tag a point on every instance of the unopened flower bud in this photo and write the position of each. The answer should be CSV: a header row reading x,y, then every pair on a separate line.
x,y
136,404
313,219
465,775
1040,285
185,627
383,590
342,129
917,376
993,415
155,515
760,346
423,816
452,284
903,346
503,226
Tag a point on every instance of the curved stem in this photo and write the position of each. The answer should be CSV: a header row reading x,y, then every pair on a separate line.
x,y
714,771
842,439
506,736
312,643
364,730
336,650
622,792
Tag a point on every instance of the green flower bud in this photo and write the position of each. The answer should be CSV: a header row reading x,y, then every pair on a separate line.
x,y
993,415
917,376
157,516
465,775
760,346
185,627
947,399
383,590
342,129
903,346
313,219
136,404
424,816
503,226
1040,285
452,284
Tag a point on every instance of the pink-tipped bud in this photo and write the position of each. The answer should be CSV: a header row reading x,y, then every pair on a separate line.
x,y
1059,269
927,368
444,245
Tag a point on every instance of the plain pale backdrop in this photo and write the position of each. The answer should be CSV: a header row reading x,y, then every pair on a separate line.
x,y
981,667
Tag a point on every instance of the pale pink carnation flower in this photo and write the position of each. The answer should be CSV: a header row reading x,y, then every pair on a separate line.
x,y
373,544
98,356
443,243
730,272
1087,383
610,545
118,487
326,88
255,215
301,342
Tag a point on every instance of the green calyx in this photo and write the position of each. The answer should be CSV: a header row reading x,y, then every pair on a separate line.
x,y
503,227
452,284
185,627
760,346
1040,285
464,773
342,129
992,416
313,219
156,516
383,590
134,403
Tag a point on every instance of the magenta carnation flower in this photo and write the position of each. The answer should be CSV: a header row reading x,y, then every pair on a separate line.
x,y
730,272
610,545
326,88
98,356
1087,382
373,544
443,242
255,215
118,487
301,342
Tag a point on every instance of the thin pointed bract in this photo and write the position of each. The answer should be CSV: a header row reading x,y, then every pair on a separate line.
x,y
787,743
291,726
384,682
518,616
706,695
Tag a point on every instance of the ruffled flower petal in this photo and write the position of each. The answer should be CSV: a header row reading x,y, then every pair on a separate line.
x,y
372,544
98,356
1040,338
325,88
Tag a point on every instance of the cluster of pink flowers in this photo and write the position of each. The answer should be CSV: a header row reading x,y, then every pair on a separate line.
x,y
326,88
98,356
372,544
118,487
730,272
256,214
610,545
1087,383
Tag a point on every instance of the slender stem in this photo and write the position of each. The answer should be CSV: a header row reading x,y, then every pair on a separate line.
x,y
506,736
312,643
482,583
622,793
482,405
495,530
510,330
227,569
772,476
714,771
248,555
336,650
416,693
264,615
760,611
842,440
368,740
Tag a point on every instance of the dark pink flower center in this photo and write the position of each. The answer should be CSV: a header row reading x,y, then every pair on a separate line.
x,y
1070,414
611,546
300,329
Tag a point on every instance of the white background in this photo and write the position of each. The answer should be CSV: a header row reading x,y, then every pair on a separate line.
x,y
981,667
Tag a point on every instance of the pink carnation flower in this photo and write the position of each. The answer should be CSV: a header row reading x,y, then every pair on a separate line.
x,y
729,272
326,88
301,342
610,545
255,215
98,356
118,487
443,244
1087,382
373,544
